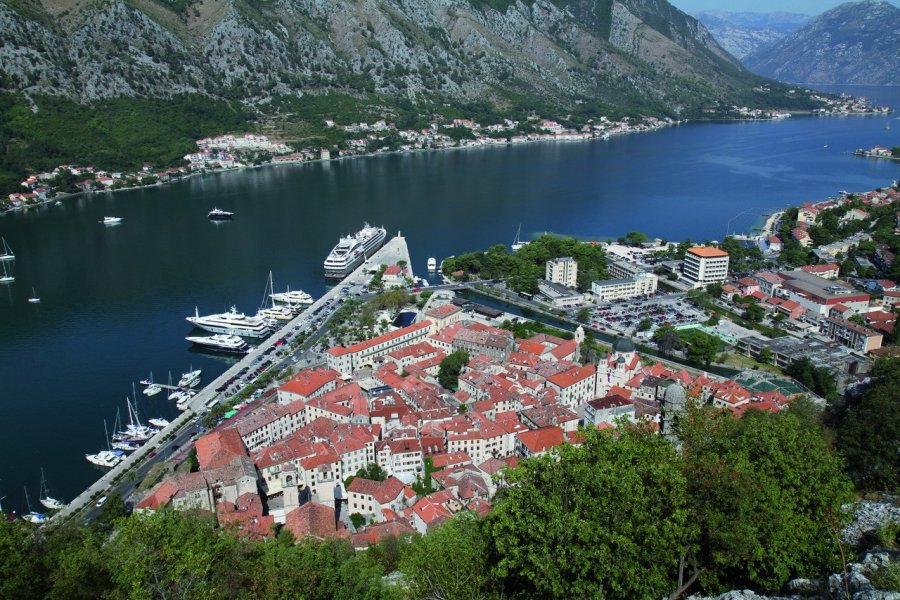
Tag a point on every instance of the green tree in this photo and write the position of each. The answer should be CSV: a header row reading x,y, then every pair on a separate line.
x,y
584,314
818,379
765,356
766,492
754,312
372,471
869,433
702,347
609,518
358,520
451,367
715,290
645,324
636,238
172,555
21,575
451,562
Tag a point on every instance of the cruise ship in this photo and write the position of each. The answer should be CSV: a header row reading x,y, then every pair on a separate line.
x,y
352,250
221,343
232,323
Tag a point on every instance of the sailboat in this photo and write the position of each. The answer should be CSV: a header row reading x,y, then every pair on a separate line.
x,y
34,298
517,243
35,518
283,313
6,253
46,500
7,276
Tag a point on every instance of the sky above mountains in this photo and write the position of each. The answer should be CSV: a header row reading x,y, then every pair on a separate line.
x,y
809,7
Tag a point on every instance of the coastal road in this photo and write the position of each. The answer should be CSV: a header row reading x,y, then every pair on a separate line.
x,y
314,317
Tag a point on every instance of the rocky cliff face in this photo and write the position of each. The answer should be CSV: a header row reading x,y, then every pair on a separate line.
x,y
742,34
635,52
857,43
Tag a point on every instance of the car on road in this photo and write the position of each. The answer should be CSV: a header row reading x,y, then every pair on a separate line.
x,y
101,501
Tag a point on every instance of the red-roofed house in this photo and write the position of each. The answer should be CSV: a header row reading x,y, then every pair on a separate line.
x,y
434,509
307,384
317,521
608,409
245,517
349,359
538,441
829,271
371,498
575,386
443,316
219,448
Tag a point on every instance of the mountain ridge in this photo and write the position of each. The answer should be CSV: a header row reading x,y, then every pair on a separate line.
x,y
643,53
742,33
854,43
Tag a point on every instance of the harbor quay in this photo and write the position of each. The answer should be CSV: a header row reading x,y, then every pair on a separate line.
x,y
394,251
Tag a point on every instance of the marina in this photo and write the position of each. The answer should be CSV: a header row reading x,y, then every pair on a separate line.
x,y
112,311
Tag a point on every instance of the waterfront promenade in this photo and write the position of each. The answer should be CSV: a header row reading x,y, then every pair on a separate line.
x,y
394,251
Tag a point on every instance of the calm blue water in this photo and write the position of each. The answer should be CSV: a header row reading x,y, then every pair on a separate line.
x,y
114,298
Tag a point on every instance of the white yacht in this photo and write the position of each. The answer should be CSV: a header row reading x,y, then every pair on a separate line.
x,y
111,220
190,379
126,446
432,264
6,252
292,298
159,422
221,343
35,299
6,276
217,214
152,389
232,323
279,313
185,400
352,250
105,458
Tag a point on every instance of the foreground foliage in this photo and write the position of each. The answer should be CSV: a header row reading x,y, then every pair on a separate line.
x,y
744,503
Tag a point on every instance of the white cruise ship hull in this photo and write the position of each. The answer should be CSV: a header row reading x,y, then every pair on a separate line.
x,y
338,267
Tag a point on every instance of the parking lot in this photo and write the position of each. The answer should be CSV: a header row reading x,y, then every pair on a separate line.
x,y
624,316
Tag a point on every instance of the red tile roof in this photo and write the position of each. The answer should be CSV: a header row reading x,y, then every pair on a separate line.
x,y
541,440
338,351
707,252
308,381
219,448
315,520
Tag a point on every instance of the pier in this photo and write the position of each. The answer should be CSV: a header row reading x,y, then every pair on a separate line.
x,y
392,252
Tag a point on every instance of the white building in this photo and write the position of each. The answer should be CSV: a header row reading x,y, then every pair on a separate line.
x,y
563,271
642,284
704,265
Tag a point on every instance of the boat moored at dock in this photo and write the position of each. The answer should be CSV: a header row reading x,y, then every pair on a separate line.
x,y
432,264
352,250
111,220
105,458
220,343
190,379
232,323
295,298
